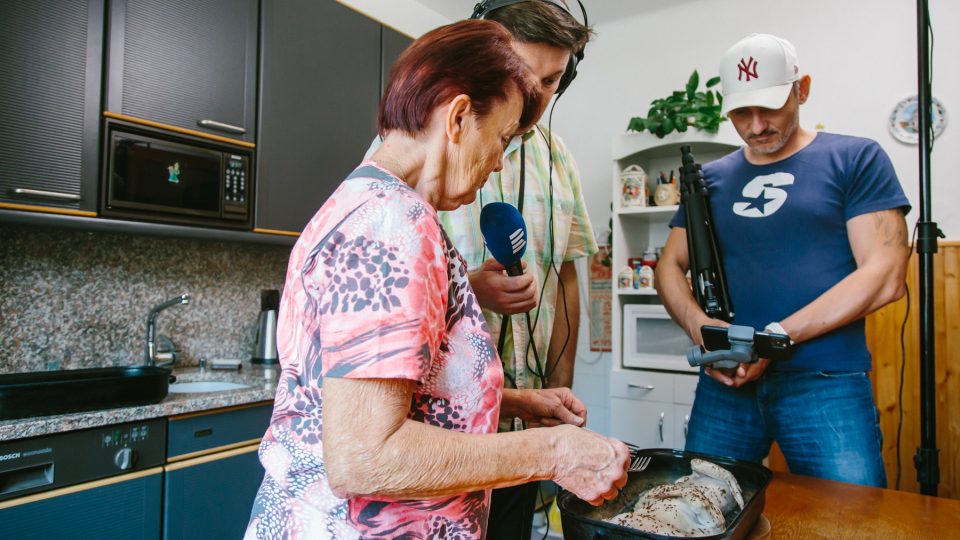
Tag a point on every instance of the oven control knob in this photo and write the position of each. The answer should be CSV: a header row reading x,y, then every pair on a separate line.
x,y
125,458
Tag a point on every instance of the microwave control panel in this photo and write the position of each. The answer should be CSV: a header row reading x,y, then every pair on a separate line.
x,y
235,184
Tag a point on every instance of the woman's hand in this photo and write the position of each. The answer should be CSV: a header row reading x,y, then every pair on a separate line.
x,y
547,407
589,465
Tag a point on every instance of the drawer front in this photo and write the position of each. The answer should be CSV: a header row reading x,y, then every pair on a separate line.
x,y
192,434
222,484
685,388
644,385
642,423
125,507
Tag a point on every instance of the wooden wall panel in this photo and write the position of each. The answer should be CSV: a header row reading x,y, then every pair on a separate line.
x,y
883,339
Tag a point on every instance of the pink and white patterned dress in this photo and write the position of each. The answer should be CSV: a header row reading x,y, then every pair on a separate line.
x,y
374,289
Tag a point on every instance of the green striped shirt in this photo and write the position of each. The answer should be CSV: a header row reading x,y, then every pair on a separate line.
x,y
572,239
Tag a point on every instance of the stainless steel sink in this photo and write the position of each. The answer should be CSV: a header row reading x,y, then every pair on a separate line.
x,y
205,386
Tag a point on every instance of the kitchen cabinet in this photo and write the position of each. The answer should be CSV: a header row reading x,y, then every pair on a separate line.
x,y
125,507
212,472
651,409
50,90
322,70
186,64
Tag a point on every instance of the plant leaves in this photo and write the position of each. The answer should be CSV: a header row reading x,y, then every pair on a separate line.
x,y
636,124
668,125
709,99
692,84
713,82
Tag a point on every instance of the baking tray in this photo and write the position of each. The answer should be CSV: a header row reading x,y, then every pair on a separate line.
x,y
582,521
44,393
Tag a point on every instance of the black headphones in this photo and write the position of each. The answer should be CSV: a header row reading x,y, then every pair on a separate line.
x,y
481,10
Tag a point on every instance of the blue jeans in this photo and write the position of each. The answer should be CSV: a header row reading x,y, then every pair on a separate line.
x,y
825,423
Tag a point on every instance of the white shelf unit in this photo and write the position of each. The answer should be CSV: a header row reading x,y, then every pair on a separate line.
x,y
650,408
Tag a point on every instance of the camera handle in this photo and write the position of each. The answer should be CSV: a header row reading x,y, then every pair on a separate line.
x,y
741,350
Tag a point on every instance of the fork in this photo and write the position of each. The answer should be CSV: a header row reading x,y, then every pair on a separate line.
x,y
639,463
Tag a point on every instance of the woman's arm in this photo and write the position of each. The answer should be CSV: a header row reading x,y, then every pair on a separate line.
x,y
370,448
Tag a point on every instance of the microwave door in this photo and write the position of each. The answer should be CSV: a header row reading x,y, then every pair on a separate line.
x,y
148,174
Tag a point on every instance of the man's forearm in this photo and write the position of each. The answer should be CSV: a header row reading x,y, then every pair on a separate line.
x,y
675,293
562,353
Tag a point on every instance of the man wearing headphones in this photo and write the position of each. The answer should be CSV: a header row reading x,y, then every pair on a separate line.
x,y
541,179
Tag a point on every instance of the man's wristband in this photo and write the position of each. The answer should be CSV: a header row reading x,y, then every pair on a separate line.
x,y
776,328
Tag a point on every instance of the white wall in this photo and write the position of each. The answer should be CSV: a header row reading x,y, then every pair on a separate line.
x,y
409,17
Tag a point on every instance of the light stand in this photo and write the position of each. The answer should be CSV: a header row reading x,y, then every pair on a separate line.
x,y
926,460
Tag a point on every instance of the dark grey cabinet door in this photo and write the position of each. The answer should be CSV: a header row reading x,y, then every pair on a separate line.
x,y
49,102
392,44
186,63
126,508
319,94
211,500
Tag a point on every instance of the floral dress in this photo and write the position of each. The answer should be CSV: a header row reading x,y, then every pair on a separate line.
x,y
374,289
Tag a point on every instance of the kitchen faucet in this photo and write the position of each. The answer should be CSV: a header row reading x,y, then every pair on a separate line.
x,y
150,351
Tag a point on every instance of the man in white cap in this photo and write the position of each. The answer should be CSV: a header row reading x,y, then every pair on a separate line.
x,y
812,238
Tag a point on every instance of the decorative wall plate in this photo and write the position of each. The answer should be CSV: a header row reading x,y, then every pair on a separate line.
x,y
904,121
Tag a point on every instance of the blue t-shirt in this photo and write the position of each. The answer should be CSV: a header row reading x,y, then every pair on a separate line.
x,y
782,234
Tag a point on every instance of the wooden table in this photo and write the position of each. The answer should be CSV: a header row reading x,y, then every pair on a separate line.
x,y
804,507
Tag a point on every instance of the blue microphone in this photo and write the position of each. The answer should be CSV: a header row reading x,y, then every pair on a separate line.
x,y
505,235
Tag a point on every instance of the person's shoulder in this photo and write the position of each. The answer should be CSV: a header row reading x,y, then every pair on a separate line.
x,y
851,148
545,136
730,160
850,143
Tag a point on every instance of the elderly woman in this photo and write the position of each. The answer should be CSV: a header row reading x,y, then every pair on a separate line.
x,y
386,413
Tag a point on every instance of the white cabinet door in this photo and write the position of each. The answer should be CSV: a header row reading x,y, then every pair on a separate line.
x,y
682,415
647,424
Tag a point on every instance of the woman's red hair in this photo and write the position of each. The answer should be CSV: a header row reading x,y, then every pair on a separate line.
x,y
471,57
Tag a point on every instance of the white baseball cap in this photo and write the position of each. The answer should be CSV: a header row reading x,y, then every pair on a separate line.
x,y
758,71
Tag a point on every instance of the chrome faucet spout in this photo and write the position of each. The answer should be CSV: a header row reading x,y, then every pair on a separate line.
x,y
150,350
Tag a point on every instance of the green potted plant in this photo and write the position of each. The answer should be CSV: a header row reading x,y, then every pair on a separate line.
x,y
683,109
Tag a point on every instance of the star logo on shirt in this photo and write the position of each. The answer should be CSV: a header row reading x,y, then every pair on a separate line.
x,y
764,194
760,201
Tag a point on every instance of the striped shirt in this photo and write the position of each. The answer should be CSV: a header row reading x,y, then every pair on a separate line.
x,y
572,239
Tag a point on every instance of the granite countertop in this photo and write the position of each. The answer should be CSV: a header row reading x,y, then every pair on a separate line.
x,y
262,381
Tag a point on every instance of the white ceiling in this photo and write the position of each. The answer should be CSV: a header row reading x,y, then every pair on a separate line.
x,y
598,11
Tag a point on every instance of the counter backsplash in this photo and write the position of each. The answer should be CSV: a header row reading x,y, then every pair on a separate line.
x,y
74,300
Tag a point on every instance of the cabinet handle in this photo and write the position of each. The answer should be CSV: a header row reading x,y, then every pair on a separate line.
x,y
220,126
661,426
686,422
641,386
38,193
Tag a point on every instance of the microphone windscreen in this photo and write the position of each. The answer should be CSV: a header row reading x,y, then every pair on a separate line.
x,y
504,232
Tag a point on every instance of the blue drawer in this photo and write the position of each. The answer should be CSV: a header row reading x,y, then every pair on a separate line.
x,y
196,434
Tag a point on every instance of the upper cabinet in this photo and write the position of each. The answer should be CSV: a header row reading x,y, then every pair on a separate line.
x,y
189,64
50,95
323,66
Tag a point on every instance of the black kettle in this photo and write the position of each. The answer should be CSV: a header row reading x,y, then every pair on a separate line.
x,y
265,346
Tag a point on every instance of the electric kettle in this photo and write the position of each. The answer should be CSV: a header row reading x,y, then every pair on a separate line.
x,y
265,346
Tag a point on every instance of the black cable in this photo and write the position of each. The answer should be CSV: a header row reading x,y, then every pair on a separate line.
x,y
903,363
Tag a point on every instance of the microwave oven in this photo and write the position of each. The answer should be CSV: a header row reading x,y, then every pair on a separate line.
x,y
651,340
155,175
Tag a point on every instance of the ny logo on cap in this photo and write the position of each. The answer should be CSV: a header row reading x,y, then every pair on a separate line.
x,y
745,67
